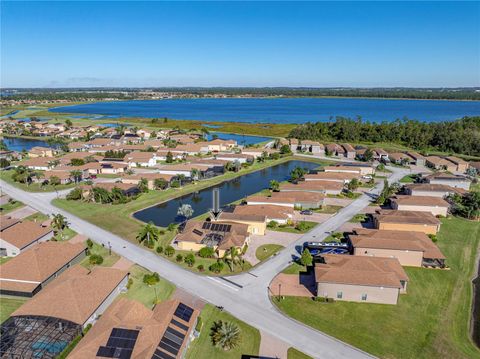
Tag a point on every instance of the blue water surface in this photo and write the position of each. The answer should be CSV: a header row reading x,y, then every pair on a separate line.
x,y
281,110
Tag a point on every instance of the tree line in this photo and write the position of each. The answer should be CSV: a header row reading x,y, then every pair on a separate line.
x,y
461,136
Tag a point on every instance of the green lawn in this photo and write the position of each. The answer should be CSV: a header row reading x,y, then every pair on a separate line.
x,y
38,216
202,348
475,187
294,268
34,187
4,259
108,259
66,235
328,209
290,229
8,306
295,354
11,206
430,321
267,250
358,218
148,295
409,179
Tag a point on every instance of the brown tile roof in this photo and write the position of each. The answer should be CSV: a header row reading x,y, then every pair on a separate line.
x,y
396,156
438,161
406,217
271,212
129,314
348,147
249,217
37,162
341,168
7,221
75,294
193,232
415,155
137,156
109,186
456,160
426,201
288,197
312,186
427,187
446,176
24,233
148,176
37,264
360,270
399,240
341,176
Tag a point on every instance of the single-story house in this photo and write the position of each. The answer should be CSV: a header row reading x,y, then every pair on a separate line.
x,y
232,157
399,158
279,214
439,163
38,163
414,249
257,223
328,187
435,205
341,177
448,179
113,167
150,177
360,279
141,159
295,199
128,329
462,165
127,188
39,151
220,236
350,152
19,236
361,170
416,158
396,220
334,149
431,190
30,271
78,295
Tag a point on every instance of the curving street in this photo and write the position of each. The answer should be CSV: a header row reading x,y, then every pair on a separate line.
x,y
244,296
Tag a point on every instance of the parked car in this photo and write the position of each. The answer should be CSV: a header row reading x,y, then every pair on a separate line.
x,y
306,212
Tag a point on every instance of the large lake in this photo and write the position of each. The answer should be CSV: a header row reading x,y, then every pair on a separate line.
x,y
20,144
165,213
281,110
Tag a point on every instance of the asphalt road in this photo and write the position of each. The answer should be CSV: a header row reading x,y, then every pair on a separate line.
x,y
244,296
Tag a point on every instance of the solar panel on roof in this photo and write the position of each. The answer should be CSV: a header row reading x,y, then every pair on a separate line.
x,y
197,232
172,343
180,325
175,333
183,312
168,348
120,344
206,225
161,355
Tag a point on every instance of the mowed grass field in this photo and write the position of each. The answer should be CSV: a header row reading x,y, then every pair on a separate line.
x,y
202,348
8,306
430,321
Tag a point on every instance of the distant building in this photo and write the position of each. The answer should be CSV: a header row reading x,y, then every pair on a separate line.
x,y
406,221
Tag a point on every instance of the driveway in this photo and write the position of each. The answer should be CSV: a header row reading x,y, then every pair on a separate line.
x,y
315,217
21,213
293,285
270,237
342,202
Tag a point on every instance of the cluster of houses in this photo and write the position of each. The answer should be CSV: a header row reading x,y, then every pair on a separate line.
x,y
401,236
234,226
65,298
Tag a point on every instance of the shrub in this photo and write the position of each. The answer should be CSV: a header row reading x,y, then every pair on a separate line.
x,y
201,268
433,237
302,226
129,283
74,194
272,224
206,252
151,279
198,326
179,258
216,267
190,259
89,243
169,251
95,259
306,259
159,249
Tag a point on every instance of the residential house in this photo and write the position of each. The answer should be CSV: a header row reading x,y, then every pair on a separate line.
x,y
416,158
462,165
296,199
126,188
256,222
279,214
38,151
219,236
341,177
141,159
16,236
448,179
434,205
360,279
30,271
361,170
328,187
38,163
232,157
350,152
161,333
418,221
431,190
440,164
334,149
150,177
413,249
399,158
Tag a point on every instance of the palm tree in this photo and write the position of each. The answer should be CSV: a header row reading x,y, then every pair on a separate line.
x,y
225,335
232,257
148,235
205,132
59,223
76,174
194,174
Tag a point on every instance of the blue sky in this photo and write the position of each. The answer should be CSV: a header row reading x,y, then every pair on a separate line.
x,y
420,44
